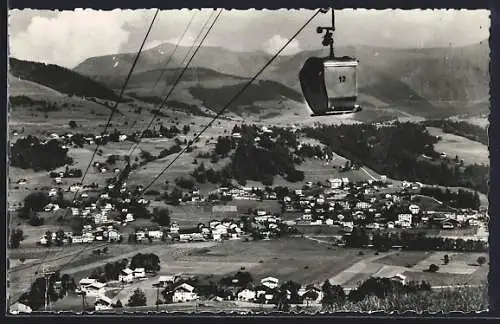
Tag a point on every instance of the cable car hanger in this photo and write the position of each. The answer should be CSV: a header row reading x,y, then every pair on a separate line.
x,y
329,83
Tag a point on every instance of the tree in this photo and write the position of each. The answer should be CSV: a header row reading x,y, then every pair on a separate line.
x,y
332,295
446,259
138,298
72,124
118,304
36,201
161,216
433,268
16,237
481,260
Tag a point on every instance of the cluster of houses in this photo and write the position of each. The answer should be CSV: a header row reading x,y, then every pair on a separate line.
x,y
265,291
346,204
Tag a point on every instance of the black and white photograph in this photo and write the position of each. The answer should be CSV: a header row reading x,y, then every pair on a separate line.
x,y
248,161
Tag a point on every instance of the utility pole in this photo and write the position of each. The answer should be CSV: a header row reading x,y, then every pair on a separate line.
x,y
83,300
157,297
47,274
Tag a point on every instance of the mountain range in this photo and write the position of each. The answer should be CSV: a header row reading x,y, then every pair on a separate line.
x,y
427,82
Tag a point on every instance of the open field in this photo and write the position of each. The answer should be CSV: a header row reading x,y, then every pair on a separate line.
x,y
470,151
297,259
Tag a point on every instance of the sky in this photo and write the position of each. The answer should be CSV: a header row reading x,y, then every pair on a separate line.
x,y
67,38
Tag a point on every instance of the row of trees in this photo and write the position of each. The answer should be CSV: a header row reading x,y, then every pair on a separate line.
x,y
412,241
460,128
396,150
460,199
30,153
110,271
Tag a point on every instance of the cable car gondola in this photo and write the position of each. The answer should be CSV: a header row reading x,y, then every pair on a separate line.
x,y
329,84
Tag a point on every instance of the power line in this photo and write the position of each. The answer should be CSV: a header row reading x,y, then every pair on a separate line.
x,y
166,64
121,94
232,100
157,111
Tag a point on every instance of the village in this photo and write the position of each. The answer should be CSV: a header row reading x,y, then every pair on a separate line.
x,y
373,205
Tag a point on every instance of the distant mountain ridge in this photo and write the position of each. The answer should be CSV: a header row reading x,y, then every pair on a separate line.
x,y
427,82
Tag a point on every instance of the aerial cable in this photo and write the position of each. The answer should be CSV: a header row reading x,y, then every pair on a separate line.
x,y
166,64
120,97
117,102
182,63
232,100
157,111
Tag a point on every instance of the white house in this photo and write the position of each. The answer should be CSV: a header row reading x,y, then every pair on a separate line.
x,y
95,289
270,282
174,228
311,294
52,192
139,273
184,293
155,234
414,209
129,218
75,187
103,303
113,235
405,220
335,183
246,295
164,280
126,275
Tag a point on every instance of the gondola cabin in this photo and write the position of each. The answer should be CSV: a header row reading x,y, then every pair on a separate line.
x,y
329,85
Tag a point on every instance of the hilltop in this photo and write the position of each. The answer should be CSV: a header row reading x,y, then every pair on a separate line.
x,y
59,79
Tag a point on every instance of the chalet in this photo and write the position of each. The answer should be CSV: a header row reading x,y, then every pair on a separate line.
x,y
184,293
140,235
414,209
335,183
103,303
163,281
139,273
126,275
311,294
220,229
307,217
129,218
213,223
246,295
362,205
113,235
155,234
95,289
270,282
404,220
174,228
